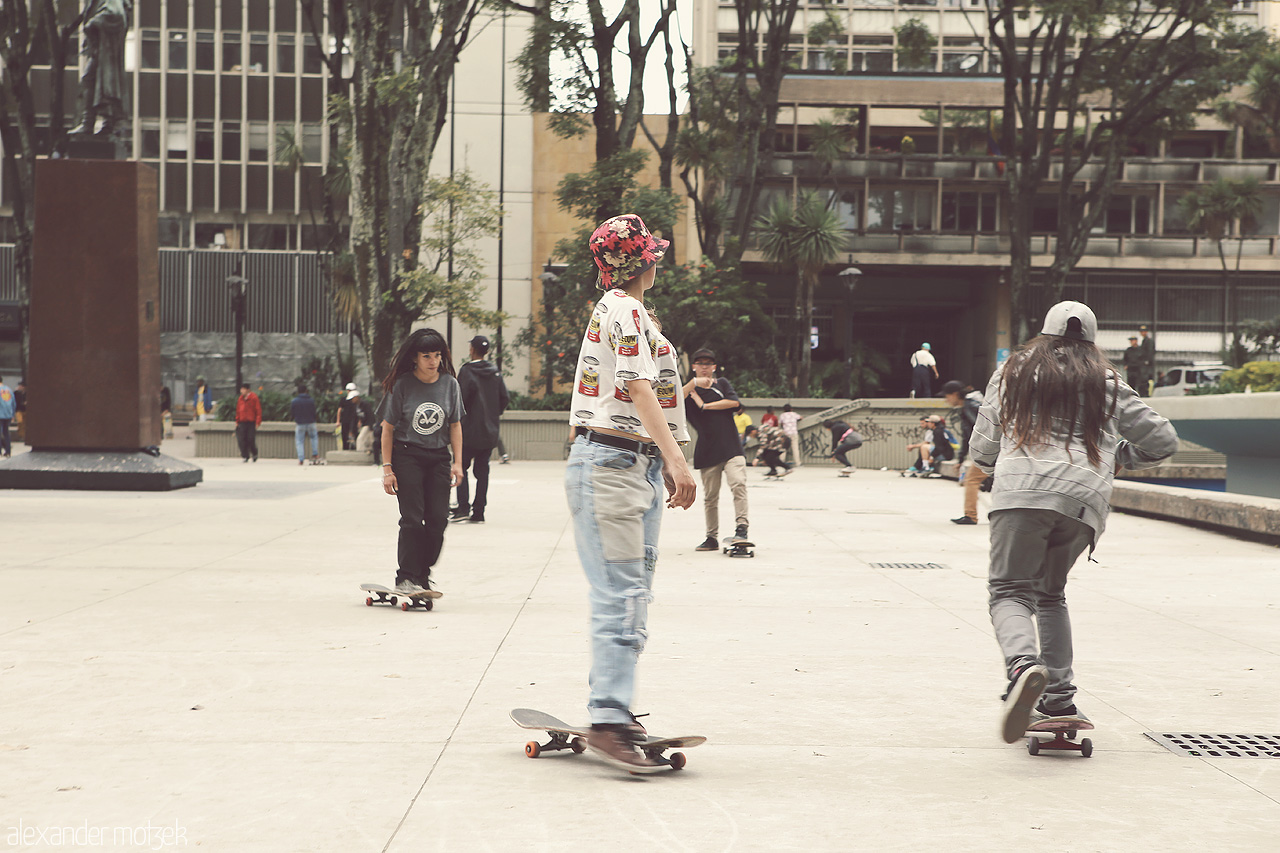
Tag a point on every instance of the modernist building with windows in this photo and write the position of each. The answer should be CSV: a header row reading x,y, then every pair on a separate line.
x,y
923,201
228,102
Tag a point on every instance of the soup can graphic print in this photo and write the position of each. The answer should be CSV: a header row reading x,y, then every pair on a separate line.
x,y
589,383
666,389
593,328
628,345
620,389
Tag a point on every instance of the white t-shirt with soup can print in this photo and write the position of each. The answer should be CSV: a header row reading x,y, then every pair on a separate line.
x,y
621,344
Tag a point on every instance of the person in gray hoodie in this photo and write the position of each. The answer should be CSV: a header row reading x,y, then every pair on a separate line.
x,y
1055,425
484,395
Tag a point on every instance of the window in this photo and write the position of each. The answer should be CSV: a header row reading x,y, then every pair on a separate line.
x,y
177,139
259,51
312,62
204,139
231,56
968,212
312,136
177,51
900,209
205,52
259,141
285,54
150,139
150,48
1128,214
231,140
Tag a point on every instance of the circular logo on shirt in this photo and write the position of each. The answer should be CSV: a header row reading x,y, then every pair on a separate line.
x,y
428,419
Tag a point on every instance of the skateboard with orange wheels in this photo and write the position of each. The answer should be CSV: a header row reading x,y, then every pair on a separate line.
x,y
390,596
565,736
1064,731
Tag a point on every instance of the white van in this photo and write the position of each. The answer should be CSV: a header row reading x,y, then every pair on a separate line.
x,y
1180,380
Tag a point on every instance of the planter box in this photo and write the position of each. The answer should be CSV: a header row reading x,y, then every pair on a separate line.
x,y
275,439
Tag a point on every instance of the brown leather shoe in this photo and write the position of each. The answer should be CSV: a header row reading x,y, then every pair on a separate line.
x,y
616,745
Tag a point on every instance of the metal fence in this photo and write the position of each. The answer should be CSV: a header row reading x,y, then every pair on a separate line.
x,y
287,291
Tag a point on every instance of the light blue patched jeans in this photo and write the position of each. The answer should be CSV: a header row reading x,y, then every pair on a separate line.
x,y
615,498
300,433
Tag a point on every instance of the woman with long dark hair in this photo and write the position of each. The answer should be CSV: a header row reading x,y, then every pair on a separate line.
x,y
421,451
1056,424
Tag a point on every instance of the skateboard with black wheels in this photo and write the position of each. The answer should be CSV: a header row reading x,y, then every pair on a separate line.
x,y
422,599
845,473
1064,731
736,546
565,736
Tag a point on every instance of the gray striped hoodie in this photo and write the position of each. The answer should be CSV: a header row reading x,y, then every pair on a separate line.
x,y
1058,476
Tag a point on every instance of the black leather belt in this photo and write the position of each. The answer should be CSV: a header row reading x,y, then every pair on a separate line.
x,y
648,449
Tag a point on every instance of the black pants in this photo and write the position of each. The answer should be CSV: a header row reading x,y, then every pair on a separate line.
x,y
422,488
247,439
773,458
922,381
350,429
476,459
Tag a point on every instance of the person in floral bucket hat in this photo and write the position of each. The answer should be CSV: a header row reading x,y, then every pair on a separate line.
x,y
623,248
628,422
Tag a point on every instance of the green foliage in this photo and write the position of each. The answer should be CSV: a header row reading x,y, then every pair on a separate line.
x,y
609,188
458,212
915,45
275,406
557,401
1259,111
1216,209
1257,375
701,304
1264,335
829,29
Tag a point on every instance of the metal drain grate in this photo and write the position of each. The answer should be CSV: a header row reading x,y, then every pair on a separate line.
x,y
1218,746
908,566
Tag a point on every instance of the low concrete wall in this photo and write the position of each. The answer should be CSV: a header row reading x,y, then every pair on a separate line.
x,y
275,439
1244,514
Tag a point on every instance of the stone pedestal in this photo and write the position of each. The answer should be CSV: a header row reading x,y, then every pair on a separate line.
x,y
94,375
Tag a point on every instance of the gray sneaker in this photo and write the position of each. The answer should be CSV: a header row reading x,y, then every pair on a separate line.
x,y
408,587
1021,699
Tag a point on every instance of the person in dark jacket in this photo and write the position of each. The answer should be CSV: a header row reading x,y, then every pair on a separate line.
x,y
710,404
843,439
303,411
969,401
484,397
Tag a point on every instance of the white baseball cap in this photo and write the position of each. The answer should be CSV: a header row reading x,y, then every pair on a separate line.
x,y
1071,320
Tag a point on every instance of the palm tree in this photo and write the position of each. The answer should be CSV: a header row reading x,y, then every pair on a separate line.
x,y
1259,112
806,236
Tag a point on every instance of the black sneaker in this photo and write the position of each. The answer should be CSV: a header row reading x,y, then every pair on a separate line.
x,y
740,531
616,744
709,544
459,516
476,519
1024,692
1068,711
964,519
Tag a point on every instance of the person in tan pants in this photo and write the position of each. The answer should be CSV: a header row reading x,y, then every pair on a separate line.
x,y
957,394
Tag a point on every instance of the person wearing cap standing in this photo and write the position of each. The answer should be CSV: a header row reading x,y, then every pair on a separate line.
x,y
349,416
248,419
628,426
484,396
1148,347
710,404
1133,370
969,401
924,369
1055,425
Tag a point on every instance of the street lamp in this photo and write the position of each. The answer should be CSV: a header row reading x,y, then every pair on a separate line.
x,y
550,290
849,278
236,284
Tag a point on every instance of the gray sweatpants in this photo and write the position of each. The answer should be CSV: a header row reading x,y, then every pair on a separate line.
x,y
1032,550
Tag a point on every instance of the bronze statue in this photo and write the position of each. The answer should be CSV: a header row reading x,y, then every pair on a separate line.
x,y
102,81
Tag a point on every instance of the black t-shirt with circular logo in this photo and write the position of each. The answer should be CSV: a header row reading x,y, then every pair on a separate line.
x,y
421,412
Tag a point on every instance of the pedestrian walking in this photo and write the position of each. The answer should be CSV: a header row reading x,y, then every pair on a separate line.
x,y
1134,371
20,416
789,421
484,398
421,439
710,404
1148,361
351,417
303,411
248,419
969,401
1055,425
924,369
628,425
8,409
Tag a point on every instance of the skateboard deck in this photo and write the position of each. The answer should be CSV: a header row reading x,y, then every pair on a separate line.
x,y
845,473
390,596
565,736
1064,731
737,547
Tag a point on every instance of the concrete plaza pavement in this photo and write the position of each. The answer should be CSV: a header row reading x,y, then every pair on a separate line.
x,y
202,662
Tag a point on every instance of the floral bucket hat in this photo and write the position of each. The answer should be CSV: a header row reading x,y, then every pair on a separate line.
x,y
623,248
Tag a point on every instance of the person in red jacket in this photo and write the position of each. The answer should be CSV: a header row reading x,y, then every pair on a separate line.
x,y
248,419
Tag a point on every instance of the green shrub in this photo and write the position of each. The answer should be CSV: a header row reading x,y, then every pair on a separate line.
x,y
1258,375
555,402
